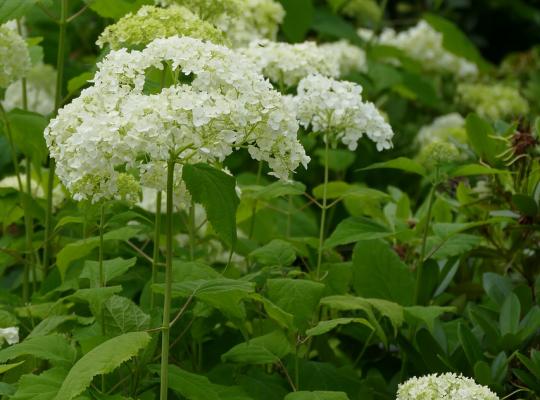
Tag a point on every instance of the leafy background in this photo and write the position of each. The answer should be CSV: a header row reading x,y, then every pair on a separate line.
x,y
263,326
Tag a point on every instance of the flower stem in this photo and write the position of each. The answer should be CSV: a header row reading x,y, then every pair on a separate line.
x,y
424,243
102,281
165,329
60,60
23,200
192,230
155,257
254,208
324,207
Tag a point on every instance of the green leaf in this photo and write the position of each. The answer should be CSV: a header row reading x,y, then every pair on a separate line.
x,y
40,387
475,169
401,163
278,189
497,287
198,387
355,229
338,159
329,24
480,133
82,248
525,204
298,19
111,269
101,360
223,294
13,9
510,315
121,315
471,345
378,272
317,395
53,348
266,349
296,296
27,129
117,8
79,82
7,367
95,297
326,326
215,190
49,325
276,253
426,314
455,41
283,318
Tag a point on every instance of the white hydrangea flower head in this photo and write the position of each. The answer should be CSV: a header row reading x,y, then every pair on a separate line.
x,y
14,56
40,88
151,23
350,58
115,137
286,64
493,101
9,335
449,127
335,109
444,386
260,19
424,44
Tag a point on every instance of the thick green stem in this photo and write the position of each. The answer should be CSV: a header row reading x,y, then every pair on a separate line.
x,y
102,281
191,229
254,208
324,207
23,201
424,243
155,256
165,328
60,60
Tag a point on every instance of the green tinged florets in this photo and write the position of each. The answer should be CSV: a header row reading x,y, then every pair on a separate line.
x,y
444,386
437,154
494,101
242,21
149,23
208,10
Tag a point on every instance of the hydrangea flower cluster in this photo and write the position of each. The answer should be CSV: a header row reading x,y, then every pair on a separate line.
x,y
441,140
149,23
494,101
444,386
115,138
242,20
14,56
10,335
286,64
336,109
40,87
349,57
446,128
425,44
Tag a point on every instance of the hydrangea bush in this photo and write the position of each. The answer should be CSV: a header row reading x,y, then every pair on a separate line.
x,y
269,200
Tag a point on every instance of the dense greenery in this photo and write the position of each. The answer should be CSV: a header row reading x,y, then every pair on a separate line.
x,y
363,270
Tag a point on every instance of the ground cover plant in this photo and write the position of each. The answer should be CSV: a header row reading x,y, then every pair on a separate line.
x,y
267,200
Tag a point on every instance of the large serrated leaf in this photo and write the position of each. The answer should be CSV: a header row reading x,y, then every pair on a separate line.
x,y
103,359
216,191
53,348
121,315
